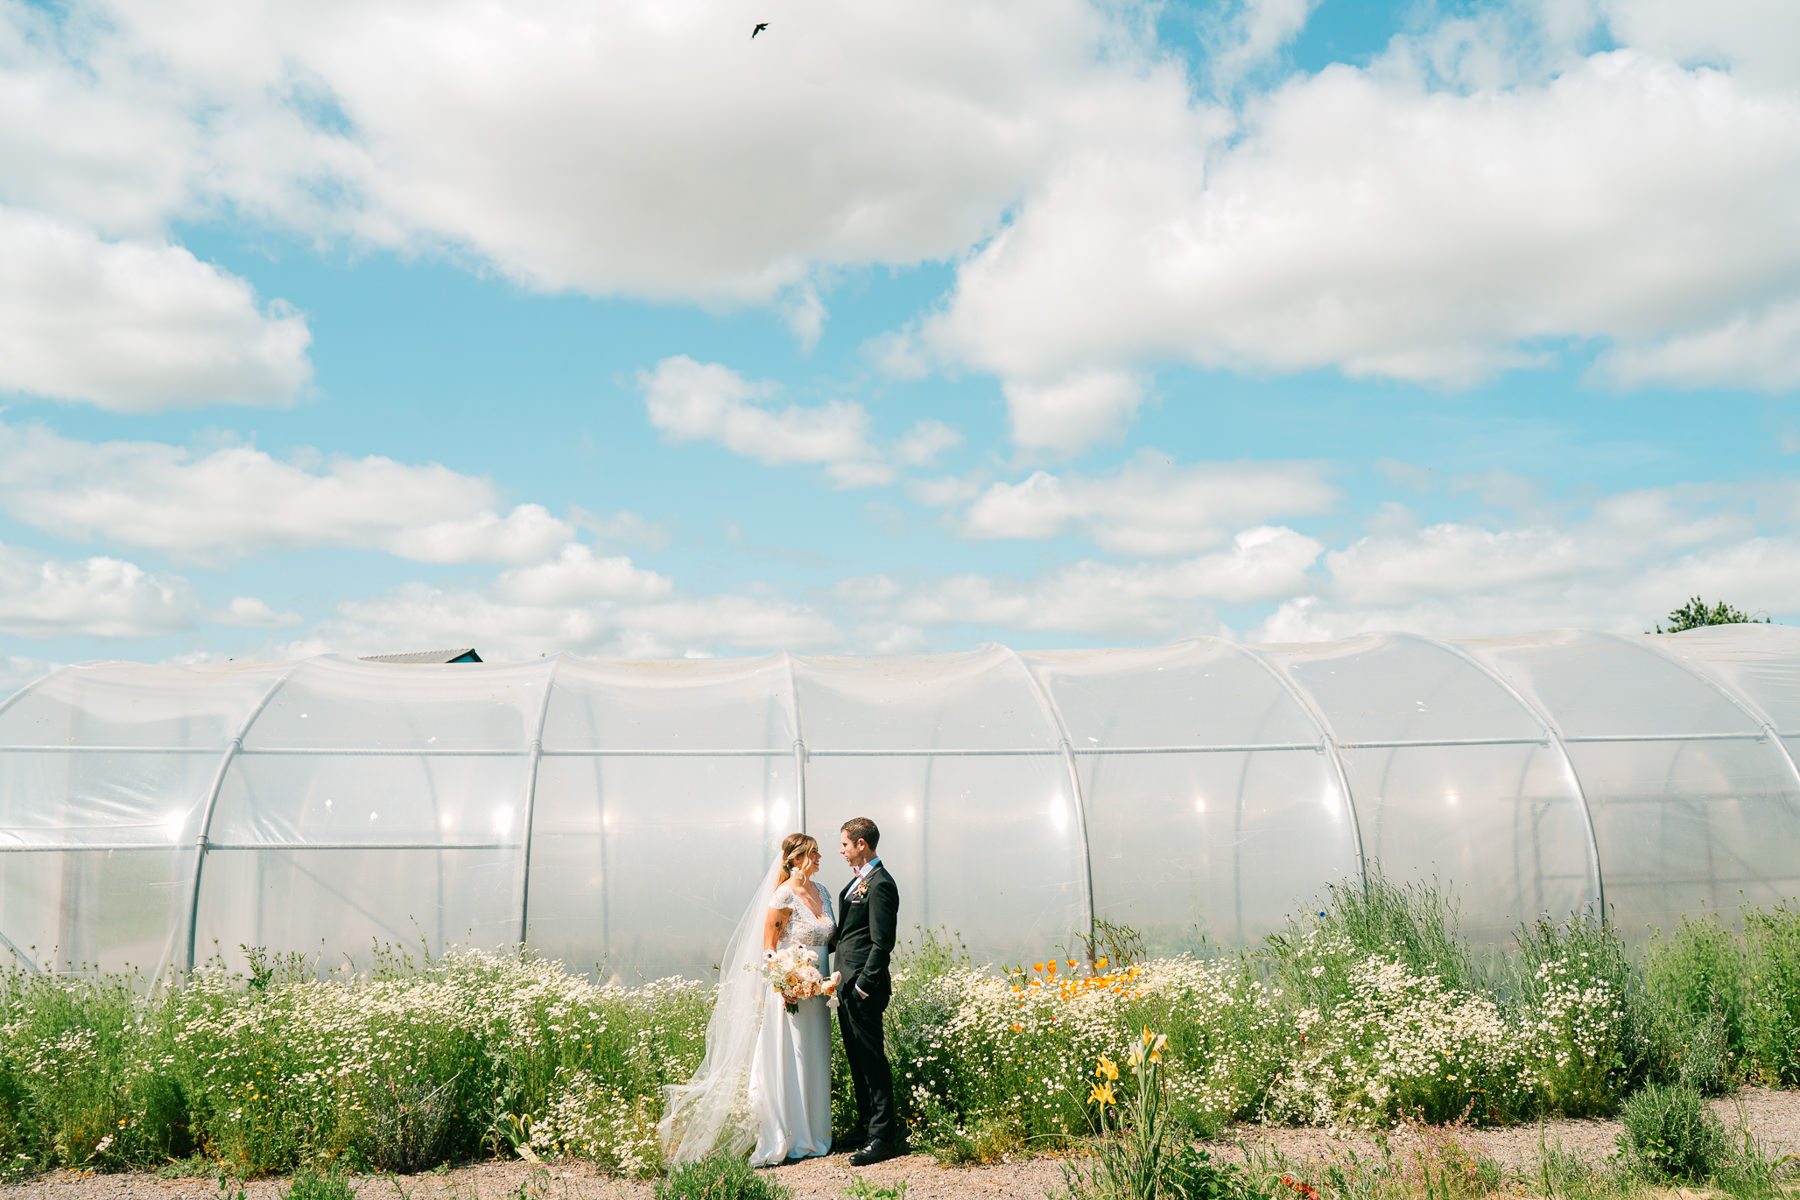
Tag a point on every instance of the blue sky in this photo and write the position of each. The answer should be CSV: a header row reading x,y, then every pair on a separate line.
x,y
604,329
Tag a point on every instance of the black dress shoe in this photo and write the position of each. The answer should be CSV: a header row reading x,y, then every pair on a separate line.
x,y
850,1143
878,1151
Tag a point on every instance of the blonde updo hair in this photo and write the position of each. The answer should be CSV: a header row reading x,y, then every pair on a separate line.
x,y
794,849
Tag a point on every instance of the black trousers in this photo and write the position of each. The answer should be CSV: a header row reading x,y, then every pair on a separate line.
x,y
859,1021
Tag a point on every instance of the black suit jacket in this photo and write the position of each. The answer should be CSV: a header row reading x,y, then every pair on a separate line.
x,y
866,927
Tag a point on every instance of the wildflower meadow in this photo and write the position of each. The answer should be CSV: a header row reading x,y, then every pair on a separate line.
x,y
1370,1012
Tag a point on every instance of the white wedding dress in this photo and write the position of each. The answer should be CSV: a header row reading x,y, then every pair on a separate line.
x,y
764,1085
790,1074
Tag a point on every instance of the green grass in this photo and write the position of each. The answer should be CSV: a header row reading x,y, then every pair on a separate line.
x,y
318,1185
1415,924
1772,938
717,1177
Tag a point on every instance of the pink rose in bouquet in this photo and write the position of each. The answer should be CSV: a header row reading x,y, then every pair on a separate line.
x,y
793,974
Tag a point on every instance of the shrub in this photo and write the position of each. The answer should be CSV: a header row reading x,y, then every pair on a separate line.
x,y
1696,981
921,1008
988,1064
414,1068
409,1125
589,1119
1414,924
1573,996
78,1064
20,1143
318,1185
1670,1133
1397,1042
1701,970
1773,936
719,1177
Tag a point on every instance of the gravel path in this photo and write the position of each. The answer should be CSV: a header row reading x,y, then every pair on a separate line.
x,y
1774,1116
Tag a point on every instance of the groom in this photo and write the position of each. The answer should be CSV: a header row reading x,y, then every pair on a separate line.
x,y
870,905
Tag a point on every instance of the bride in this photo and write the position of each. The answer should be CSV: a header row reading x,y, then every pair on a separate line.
x,y
764,1085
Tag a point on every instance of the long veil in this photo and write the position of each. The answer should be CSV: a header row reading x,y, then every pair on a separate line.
x,y
711,1111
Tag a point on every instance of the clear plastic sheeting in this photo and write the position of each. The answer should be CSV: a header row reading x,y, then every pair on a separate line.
x,y
615,815
1454,777
1193,832
1693,798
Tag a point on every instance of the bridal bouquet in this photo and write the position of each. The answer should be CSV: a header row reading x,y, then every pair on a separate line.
x,y
794,974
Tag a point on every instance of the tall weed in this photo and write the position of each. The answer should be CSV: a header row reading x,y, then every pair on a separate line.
x,y
1670,1133
1696,981
1575,996
1773,938
77,1056
1414,924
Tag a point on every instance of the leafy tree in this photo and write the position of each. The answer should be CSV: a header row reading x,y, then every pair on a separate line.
x,y
1697,612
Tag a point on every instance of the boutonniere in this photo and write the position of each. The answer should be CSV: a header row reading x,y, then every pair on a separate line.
x,y
860,888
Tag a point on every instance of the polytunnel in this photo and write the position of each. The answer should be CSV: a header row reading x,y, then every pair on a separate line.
x,y
616,814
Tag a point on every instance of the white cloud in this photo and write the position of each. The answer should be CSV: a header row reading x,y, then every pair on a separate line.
x,y
43,597
249,612
693,401
237,499
896,639
804,310
740,622
925,442
1452,559
1758,37
1464,204
1247,37
527,617
578,575
946,491
1622,566
521,535
137,326
1151,507
607,606
1758,350
866,590
1138,602
109,149
860,473
1410,476
640,148
1066,415
1390,223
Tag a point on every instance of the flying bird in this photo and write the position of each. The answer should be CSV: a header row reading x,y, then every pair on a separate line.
x,y
760,26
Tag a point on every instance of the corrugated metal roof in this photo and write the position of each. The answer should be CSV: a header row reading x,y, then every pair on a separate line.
x,y
466,654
